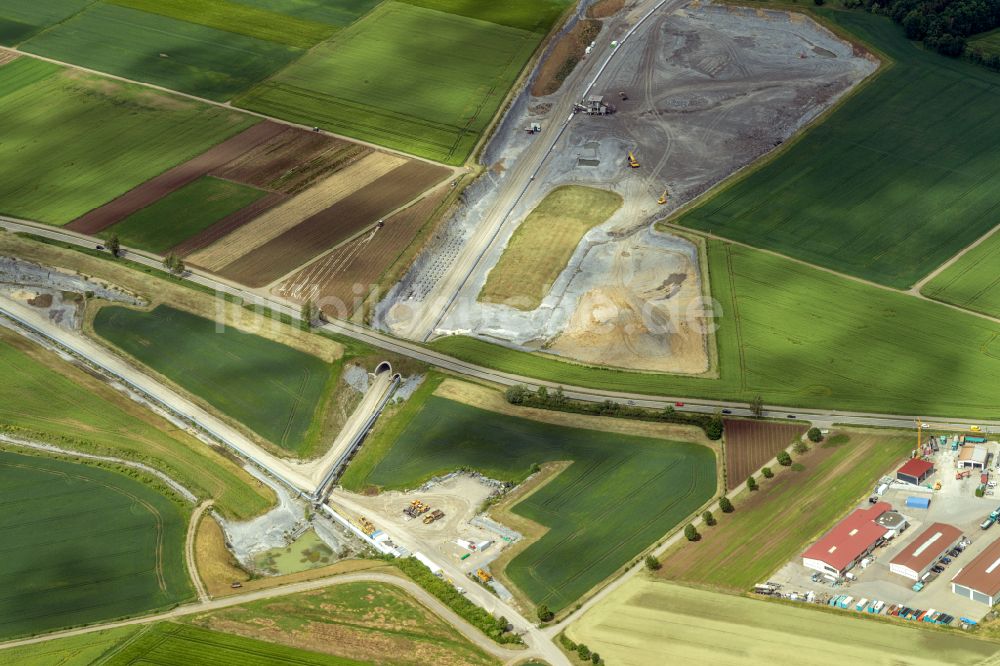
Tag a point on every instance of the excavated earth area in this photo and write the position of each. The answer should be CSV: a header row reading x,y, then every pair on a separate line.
x,y
709,90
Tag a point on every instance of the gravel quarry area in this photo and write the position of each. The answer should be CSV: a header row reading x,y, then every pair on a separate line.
x,y
708,89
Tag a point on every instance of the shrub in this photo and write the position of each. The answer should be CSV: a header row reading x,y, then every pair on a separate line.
x,y
814,435
784,459
713,429
725,505
767,472
708,518
516,394
752,483
583,651
595,658
652,563
800,447
690,533
544,614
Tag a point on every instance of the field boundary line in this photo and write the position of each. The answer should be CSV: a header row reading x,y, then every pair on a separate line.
x,y
917,289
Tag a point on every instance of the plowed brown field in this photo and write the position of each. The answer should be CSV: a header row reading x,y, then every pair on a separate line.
x,y
290,161
339,282
173,179
336,224
750,444
300,207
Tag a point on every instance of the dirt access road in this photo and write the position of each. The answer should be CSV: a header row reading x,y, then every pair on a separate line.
x,y
467,630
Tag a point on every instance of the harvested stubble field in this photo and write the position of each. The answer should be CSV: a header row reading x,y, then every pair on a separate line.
x,y
348,216
622,492
972,282
173,179
182,214
543,244
797,335
330,190
369,621
881,189
274,390
168,644
689,626
418,80
152,48
771,525
340,281
80,140
45,398
750,444
83,544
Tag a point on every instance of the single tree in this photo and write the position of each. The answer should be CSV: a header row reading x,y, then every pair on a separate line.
x,y
815,435
173,264
767,472
542,394
652,563
583,651
708,518
725,505
800,447
669,410
114,245
690,533
516,394
714,428
544,614
309,311
752,483
595,658
757,406
784,459
558,398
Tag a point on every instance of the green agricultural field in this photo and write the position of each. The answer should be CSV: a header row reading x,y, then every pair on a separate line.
x,y
534,15
74,141
543,244
20,19
152,48
168,644
682,625
366,617
238,18
805,337
414,79
83,650
621,493
182,214
882,189
83,544
837,475
339,13
274,390
45,398
972,282
987,42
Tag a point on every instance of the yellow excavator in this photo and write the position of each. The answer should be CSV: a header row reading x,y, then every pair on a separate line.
x,y
663,198
632,162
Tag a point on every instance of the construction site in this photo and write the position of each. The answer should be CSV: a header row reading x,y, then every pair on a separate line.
x,y
691,97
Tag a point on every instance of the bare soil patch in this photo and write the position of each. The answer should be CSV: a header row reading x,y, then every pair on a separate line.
x,y
750,444
7,56
334,225
490,399
605,8
565,56
301,207
340,281
292,160
173,179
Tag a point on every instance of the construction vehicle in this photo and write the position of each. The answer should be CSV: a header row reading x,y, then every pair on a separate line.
x,y
415,509
365,525
663,198
963,474
632,162
484,575
436,515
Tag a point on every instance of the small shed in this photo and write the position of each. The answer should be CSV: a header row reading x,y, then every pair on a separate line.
x,y
915,471
918,502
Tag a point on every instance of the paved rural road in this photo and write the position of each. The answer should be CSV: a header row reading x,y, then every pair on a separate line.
x,y
192,561
420,594
431,357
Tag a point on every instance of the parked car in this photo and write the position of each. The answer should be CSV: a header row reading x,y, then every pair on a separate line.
x,y
955,552
946,560
937,568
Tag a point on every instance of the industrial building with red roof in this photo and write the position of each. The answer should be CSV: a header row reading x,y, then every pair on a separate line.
x,y
915,471
979,580
927,548
848,542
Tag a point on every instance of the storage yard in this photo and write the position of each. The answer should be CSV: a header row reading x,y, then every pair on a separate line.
x,y
922,527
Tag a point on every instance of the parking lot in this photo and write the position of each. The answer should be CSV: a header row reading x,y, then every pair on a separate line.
x,y
954,504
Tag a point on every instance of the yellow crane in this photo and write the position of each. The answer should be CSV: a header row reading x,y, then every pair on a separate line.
x,y
632,162
663,198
